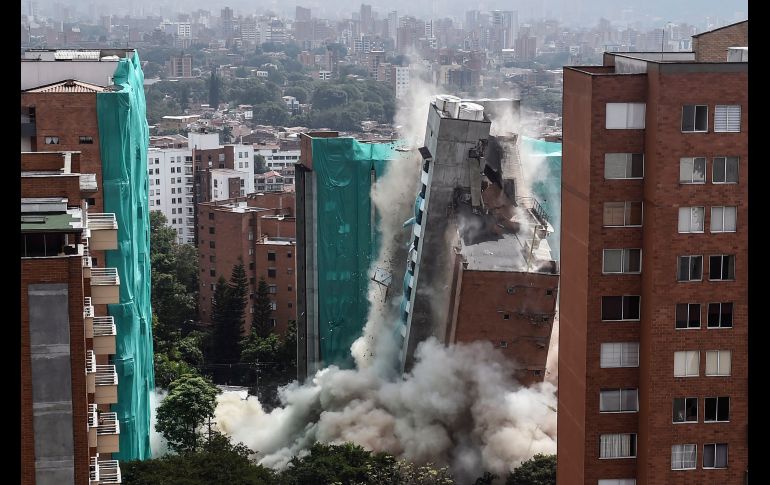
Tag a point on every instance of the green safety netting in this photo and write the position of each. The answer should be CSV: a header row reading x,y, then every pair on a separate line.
x,y
346,239
547,187
124,137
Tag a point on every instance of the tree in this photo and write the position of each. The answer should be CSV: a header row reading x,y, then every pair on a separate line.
x,y
184,96
226,135
273,114
263,310
190,401
214,90
168,370
260,164
326,464
539,470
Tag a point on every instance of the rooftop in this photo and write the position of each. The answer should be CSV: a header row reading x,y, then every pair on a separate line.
x,y
68,221
67,86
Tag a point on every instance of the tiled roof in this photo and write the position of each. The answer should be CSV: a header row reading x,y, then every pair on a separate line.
x,y
67,86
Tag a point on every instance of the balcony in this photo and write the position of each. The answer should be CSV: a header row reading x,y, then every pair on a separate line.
x,y
88,317
109,472
87,263
104,333
105,286
106,380
93,472
108,433
90,371
104,231
93,423
189,181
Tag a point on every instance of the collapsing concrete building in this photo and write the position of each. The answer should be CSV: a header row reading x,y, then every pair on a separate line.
x,y
479,266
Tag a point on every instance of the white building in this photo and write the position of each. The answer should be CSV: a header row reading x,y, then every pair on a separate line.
x,y
400,79
281,161
272,182
170,171
221,183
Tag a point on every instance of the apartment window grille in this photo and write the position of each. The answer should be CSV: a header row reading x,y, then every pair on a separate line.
x,y
692,170
86,140
273,289
271,256
686,363
271,273
720,315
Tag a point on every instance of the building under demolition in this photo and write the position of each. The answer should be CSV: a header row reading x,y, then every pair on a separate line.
x,y
478,264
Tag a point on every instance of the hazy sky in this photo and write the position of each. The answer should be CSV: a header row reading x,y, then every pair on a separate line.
x,y
570,12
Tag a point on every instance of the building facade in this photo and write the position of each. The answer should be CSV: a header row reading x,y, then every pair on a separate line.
x,y
653,321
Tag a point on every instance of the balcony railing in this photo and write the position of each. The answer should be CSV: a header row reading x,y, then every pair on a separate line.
x,y
93,423
87,263
109,472
105,286
104,230
104,335
106,380
88,317
90,371
108,433
93,472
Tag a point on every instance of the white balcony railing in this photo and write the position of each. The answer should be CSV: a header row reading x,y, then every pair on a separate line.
x,y
104,277
93,416
106,375
88,308
104,326
108,424
87,263
93,471
90,371
109,472
98,221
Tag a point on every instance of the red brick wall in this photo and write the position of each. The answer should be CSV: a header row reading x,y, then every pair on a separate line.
x,y
274,227
484,304
285,280
32,161
712,46
55,270
69,116
52,186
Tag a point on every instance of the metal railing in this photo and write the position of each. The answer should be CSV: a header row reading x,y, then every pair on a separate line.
x,y
93,416
532,204
87,263
109,471
108,424
93,470
88,308
106,375
90,362
104,326
101,221
104,277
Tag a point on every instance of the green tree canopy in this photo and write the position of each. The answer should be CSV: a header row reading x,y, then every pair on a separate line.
x,y
539,470
263,310
190,401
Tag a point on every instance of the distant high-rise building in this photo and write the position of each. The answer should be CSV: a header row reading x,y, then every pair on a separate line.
x,y
392,24
226,18
302,14
366,19
180,66
654,323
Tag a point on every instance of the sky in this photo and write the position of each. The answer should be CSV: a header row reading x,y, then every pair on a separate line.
x,y
649,13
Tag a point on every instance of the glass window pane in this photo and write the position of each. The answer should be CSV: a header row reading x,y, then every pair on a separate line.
x,y
723,409
681,315
726,316
701,117
728,267
688,117
732,169
724,362
721,456
680,360
710,409
629,400
729,218
717,219
719,170
678,411
697,219
616,116
693,363
683,272
630,354
610,355
696,267
694,320
715,267
614,213
630,308
691,410
634,216
636,115
685,170
712,363
613,260
699,170
609,400
708,456
633,260
637,165
615,165
612,307
684,219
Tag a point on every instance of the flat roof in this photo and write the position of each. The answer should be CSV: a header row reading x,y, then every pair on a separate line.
x,y
69,221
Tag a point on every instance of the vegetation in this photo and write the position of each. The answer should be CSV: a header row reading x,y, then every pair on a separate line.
x,y
269,362
190,401
539,470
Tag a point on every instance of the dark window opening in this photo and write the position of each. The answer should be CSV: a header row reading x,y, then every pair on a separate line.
x,y
271,256
271,273
86,140
685,410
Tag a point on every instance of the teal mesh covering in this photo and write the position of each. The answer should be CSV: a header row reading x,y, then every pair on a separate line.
x,y
124,137
547,189
346,239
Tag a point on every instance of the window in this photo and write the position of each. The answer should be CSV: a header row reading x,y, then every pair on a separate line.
x,y
686,363
695,117
692,170
289,270
271,256
212,272
618,401
725,170
689,268
622,261
723,219
722,267
157,171
617,481
157,181
617,445
291,305
624,307
273,305
718,362
288,254
691,219
271,272
211,244
52,140
685,410
715,455
289,288
683,457
272,322
216,182
251,251
86,140
211,230
152,182
720,315
625,116
717,409
251,265
688,315
727,118
619,354
623,165
211,216
273,289
622,213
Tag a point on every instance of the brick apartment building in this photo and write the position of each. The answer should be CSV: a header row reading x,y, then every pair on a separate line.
x,y
654,309
259,231
65,346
